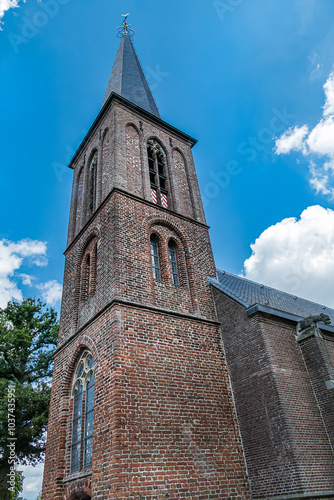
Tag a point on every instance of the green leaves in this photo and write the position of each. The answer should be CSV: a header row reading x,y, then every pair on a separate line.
x,y
28,338
28,335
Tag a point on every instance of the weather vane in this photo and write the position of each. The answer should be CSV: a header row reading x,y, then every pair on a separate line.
x,y
126,28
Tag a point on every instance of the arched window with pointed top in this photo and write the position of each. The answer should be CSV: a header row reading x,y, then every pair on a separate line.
x,y
157,170
83,413
88,271
91,184
155,258
172,250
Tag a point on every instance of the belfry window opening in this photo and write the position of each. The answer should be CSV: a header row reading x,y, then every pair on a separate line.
x,y
156,164
83,414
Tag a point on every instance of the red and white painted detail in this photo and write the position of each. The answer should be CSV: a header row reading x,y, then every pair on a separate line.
x,y
164,201
154,196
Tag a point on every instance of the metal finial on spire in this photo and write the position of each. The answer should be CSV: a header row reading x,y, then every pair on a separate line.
x,y
125,29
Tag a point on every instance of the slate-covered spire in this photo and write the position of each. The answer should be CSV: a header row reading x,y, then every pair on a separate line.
x,y
127,78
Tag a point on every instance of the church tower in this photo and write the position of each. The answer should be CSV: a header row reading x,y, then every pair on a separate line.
x,y
141,405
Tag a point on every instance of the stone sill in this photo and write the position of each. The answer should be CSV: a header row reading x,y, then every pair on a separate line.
x,y
77,475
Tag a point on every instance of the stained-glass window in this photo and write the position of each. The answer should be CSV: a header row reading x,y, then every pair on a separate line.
x,y
83,413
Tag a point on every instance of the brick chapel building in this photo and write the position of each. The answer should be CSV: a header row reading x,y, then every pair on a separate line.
x,y
153,341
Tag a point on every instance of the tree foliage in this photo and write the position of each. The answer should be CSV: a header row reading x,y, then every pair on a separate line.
x,y
15,493
28,337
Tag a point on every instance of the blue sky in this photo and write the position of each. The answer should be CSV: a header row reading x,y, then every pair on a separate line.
x,y
246,78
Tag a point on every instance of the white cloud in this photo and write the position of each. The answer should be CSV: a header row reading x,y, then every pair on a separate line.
x,y
297,256
321,182
40,262
6,5
51,292
27,279
29,248
320,140
292,140
329,93
12,256
317,143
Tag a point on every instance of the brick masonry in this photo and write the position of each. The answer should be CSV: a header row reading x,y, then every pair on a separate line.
x,y
276,386
318,355
164,420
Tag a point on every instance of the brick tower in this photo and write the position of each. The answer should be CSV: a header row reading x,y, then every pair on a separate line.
x,y
141,405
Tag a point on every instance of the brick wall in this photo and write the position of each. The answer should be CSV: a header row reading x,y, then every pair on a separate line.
x,y
286,445
121,141
164,423
318,354
123,227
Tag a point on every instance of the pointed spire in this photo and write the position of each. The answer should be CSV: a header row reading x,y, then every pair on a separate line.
x,y
127,78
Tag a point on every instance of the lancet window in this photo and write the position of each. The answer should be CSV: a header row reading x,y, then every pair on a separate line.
x,y
92,183
88,271
173,262
157,170
155,258
83,413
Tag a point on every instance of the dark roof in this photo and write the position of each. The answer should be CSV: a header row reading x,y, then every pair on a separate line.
x,y
249,293
127,78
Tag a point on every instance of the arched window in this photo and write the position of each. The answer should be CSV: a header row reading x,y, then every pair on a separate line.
x,y
83,413
86,277
173,262
155,258
88,271
156,165
91,183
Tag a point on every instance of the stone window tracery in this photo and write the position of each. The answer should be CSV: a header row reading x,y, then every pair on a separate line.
x,y
158,181
83,413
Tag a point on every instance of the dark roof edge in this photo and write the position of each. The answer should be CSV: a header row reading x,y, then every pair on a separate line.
x,y
117,97
243,278
217,285
250,311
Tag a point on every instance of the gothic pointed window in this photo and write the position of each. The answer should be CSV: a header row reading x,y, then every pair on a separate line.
x,y
83,413
91,183
155,258
156,165
76,429
88,271
173,262
86,277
